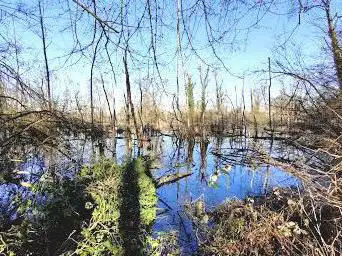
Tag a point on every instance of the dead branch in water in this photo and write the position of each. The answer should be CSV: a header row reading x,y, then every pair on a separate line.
x,y
164,180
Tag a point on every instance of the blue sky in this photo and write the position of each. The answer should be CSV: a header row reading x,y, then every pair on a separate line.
x,y
248,53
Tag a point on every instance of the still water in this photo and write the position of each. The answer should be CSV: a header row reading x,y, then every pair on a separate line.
x,y
218,169
221,170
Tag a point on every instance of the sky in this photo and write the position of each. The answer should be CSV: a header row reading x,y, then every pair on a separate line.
x,y
243,51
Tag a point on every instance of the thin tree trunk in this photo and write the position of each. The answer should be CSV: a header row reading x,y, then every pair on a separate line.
x,y
254,117
129,98
141,106
107,100
269,94
204,83
335,46
45,55
91,93
178,50
19,86
114,116
128,116
244,124
91,81
47,71
218,88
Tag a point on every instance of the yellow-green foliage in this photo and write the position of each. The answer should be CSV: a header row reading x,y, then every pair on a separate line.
x,y
163,244
4,248
147,194
109,189
102,234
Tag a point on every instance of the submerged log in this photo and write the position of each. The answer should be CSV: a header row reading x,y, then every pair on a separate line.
x,y
167,179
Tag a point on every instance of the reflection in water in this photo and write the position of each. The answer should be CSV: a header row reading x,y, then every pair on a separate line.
x,y
191,145
128,148
203,167
220,179
223,168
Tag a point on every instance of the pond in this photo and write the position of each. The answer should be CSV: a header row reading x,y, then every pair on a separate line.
x,y
214,179
215,170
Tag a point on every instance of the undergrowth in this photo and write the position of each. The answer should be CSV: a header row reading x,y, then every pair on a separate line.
x,y
124,199
106,209
283,222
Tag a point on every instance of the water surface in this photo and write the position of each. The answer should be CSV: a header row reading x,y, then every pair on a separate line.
x,y
221,169
215,178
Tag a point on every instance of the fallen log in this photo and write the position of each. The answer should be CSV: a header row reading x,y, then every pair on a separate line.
x,y
167,179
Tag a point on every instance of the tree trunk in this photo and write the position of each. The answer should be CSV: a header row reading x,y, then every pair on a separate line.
x,y
335,46
45,55
129,98
269,94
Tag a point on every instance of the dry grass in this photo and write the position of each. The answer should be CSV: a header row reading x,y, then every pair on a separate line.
x,y
284,222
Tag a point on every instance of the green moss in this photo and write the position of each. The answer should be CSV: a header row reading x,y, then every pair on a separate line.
x,y
121,195
100,170
101,235
147,194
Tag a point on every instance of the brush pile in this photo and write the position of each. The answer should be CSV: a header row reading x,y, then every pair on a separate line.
x,y
284,222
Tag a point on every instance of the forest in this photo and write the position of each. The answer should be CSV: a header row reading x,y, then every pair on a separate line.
x,y
147,127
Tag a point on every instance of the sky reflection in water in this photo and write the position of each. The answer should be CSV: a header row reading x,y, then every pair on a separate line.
x,y
238,182
214,179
